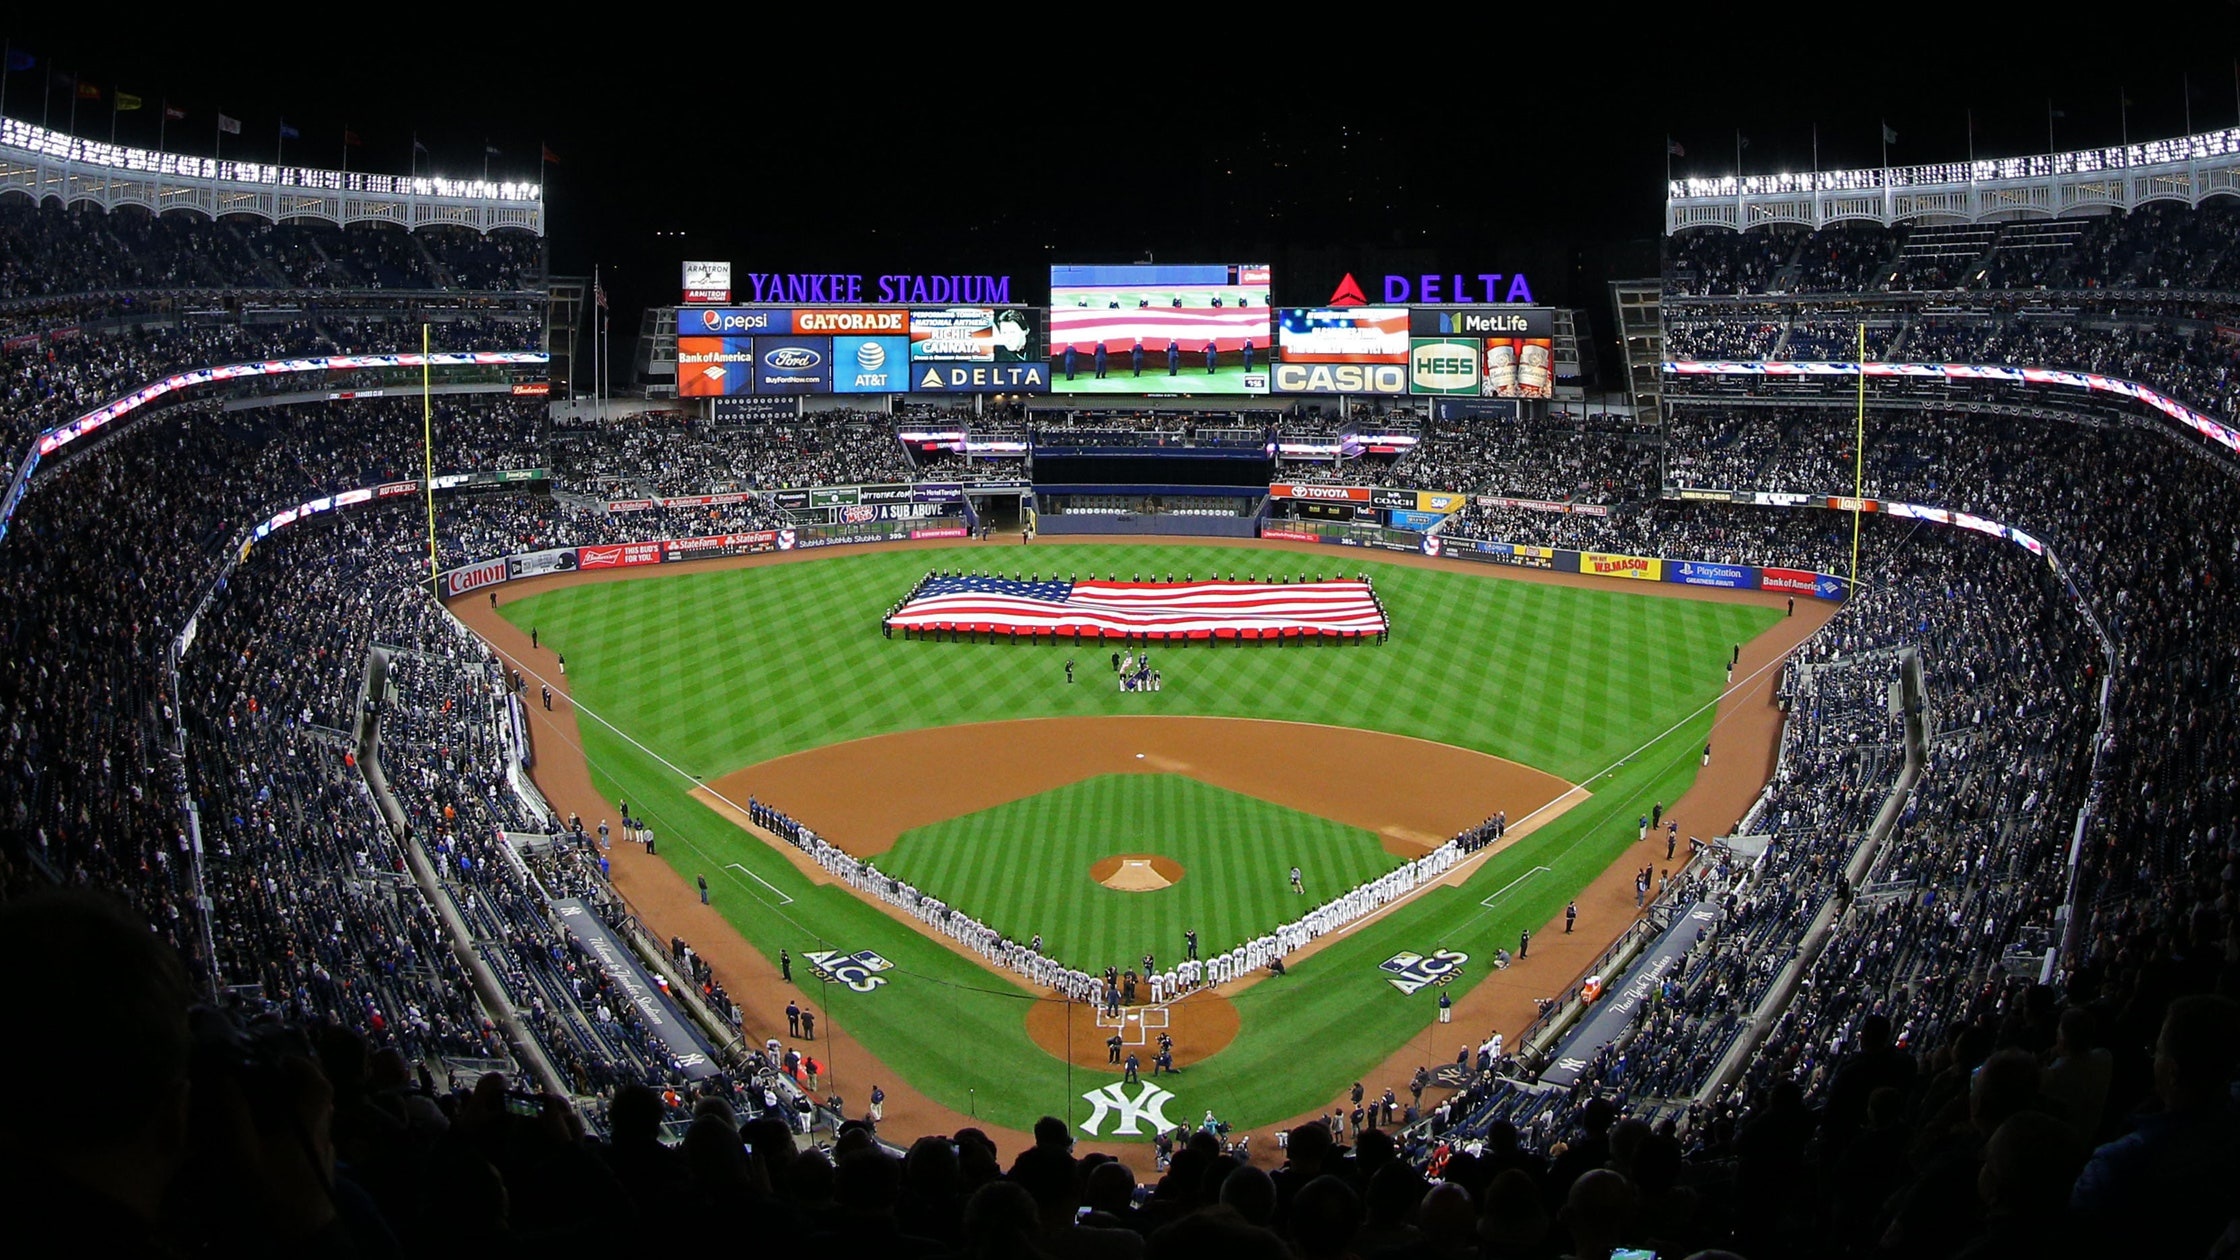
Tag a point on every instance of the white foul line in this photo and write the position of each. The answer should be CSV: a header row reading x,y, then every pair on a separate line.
x,y
783,900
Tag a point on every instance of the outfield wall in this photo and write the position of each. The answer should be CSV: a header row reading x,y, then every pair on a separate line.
x,y
1158,523
1721,576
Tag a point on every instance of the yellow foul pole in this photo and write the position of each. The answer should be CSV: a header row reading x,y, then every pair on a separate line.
x,y
428,460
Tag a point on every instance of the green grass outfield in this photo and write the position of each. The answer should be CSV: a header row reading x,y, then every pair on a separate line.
x,y
1023,867
708,671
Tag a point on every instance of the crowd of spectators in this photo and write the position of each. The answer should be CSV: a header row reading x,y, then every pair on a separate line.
x,y
1868,1054
2159,246
48,251
643,460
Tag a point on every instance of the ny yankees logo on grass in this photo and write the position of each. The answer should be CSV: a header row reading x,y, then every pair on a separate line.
x,y
1147,1107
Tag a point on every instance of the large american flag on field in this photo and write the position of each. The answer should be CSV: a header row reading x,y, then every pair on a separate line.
x,y
1157,610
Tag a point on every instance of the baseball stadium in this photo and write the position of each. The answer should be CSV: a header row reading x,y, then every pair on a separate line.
x,y
1092,754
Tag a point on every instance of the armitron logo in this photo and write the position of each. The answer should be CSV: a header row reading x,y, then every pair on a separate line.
x,y
791,359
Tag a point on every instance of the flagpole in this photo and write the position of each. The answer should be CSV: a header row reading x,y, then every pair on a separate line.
x,y
2123,115
1886,144
163,121
73,106
1859,456
1971,137
2185,88
428,461
2050,149
7,63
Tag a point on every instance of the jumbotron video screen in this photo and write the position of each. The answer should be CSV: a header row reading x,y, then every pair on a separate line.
x,y
1159,329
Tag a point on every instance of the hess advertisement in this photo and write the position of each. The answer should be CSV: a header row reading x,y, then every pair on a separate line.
x,y
1158,328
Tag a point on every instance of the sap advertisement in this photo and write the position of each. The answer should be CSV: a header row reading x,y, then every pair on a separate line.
x,y
1158,328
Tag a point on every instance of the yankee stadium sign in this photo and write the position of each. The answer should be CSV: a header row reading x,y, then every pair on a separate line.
x,y
821,286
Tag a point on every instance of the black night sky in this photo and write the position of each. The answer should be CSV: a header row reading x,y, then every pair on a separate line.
x,y
1498,144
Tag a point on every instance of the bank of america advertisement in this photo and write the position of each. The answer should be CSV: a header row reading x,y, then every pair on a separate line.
x,y
713,367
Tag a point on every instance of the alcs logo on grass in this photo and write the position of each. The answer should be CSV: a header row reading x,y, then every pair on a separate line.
x,y
1409,972
859,971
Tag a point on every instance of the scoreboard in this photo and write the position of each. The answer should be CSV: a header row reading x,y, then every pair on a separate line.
x,y
726,351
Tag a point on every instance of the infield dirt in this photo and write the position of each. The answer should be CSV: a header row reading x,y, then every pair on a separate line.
x,y
1745,747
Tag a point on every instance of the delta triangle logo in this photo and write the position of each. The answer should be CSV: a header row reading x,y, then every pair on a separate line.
x,y
1348,293
931,380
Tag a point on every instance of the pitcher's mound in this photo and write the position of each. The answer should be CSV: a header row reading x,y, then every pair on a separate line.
x,y
1136,872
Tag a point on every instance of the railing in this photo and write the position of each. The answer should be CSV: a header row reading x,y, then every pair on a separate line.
x,y
50,165
2186,168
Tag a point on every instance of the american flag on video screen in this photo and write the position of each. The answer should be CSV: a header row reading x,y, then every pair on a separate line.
x,y
1156,609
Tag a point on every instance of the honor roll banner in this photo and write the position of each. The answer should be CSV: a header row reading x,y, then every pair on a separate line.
x,y
1146,610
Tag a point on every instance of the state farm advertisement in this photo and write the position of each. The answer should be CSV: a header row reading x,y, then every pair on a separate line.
x,y
715,545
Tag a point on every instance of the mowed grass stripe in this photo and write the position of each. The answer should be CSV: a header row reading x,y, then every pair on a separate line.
x,y
720,669
1235,853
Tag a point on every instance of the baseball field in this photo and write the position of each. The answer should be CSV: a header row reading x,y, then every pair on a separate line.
x,y
1111,822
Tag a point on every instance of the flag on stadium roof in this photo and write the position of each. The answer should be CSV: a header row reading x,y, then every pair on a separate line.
x,y
230,126
127,102
1154,610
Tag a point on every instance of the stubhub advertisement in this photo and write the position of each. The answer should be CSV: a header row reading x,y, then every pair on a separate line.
x,y
870,365
793,365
